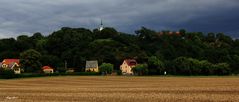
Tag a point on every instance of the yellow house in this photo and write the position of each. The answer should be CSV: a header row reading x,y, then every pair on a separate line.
x,y
127,65
12,64
91,66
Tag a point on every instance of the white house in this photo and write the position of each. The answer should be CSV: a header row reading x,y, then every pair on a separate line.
x,y
12,64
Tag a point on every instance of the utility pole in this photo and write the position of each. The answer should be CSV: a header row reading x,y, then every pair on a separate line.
x,y
65,64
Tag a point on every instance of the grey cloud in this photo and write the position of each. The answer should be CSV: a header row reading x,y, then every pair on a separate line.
x,y
26,17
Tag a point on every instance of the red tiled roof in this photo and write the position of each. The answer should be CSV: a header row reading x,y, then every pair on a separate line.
x,y
131,62
178,33
169,33
46,67
10,61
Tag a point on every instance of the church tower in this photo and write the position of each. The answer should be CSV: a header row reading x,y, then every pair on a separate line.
x,y
101,26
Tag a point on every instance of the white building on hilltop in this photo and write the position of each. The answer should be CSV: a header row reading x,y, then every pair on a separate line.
x,y
101,26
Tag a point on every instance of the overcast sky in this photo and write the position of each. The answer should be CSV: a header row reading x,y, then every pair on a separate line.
x,y
46,16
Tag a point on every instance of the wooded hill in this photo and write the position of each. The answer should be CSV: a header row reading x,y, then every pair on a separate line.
x,y
180,53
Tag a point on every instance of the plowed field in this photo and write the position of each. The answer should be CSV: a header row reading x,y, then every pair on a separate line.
x,y
120,89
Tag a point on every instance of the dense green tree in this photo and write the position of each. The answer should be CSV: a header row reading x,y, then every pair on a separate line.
x,y
140,69
8,44
50,60
104,50
155,65
205,67
184,53
221,69
8,49
24,42
182,66
234,64
182,32
225,39
146,34
106,68
40,45
210,37
106,33
37,36
68,38
190,66
30,61
37,39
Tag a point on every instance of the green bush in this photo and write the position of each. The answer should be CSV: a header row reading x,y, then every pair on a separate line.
x,y
140,69
119,72
190,66
106,68
221,69
61,70
155,66
7,73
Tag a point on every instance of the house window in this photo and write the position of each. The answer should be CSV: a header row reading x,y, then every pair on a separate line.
x,y
4,66
16,69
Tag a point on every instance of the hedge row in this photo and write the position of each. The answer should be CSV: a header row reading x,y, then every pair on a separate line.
x,y
190,66
8,74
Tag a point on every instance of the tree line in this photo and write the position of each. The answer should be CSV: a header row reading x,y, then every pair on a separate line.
x,y
178,53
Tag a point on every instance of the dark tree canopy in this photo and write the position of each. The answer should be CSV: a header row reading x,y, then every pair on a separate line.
x,y
30,61
176,52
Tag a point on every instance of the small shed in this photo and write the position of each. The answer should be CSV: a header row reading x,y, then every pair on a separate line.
x,y
47,69
70,70
91,66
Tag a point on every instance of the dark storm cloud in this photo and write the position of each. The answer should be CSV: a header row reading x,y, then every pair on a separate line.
x,y
26,17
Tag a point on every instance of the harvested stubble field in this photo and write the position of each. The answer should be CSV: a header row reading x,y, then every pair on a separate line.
x,y
120,89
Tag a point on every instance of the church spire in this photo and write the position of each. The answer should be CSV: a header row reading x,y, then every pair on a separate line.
x,y
101,26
